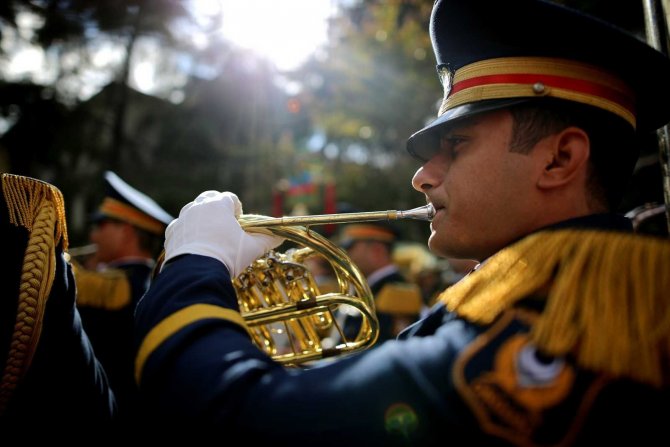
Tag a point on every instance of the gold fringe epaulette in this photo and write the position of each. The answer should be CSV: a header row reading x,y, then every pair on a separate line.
x,y
607,298
399,298
38,207
107,290
26,197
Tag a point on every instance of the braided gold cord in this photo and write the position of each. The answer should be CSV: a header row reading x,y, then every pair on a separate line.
x,y
33,293
39,209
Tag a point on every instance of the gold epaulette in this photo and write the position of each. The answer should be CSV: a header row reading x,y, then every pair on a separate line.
x,y
108,289
27,197
399,298
606,298
39,208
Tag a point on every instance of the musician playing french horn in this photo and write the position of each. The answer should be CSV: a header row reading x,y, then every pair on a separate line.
x,y
561,336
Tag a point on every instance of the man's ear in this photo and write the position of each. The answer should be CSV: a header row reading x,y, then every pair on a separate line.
x,y
566,157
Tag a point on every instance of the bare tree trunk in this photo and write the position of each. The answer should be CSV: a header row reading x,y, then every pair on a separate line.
x,y
121,100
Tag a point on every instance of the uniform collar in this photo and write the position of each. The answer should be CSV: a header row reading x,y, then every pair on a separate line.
x,y
604,221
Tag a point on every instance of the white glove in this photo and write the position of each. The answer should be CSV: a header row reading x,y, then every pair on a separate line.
x,y
208,226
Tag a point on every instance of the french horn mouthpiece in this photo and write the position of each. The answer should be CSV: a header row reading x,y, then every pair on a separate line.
x,y
425,212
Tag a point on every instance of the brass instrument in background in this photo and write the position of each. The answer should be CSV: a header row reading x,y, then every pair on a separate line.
x,y
288,316
80,253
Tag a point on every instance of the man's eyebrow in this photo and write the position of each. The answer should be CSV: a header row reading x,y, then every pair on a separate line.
x,y
461,125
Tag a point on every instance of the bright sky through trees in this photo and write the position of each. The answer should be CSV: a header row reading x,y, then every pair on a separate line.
x,y
283,31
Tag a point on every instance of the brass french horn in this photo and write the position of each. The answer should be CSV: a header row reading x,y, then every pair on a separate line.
x,y
285,312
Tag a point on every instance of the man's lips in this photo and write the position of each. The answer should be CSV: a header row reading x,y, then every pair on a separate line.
x,y
438,206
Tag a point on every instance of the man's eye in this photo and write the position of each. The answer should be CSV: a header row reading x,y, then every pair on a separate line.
x,y
450,143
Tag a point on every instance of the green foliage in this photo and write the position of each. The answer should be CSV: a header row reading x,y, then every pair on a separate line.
x,y
373,87
236,129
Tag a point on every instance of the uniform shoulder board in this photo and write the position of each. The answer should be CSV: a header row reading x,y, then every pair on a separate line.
x,y
399,298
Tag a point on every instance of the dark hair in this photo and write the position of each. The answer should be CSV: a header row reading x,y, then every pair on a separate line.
x,y
613,143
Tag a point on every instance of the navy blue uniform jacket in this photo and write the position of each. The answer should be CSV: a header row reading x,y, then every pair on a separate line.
x,y
202,374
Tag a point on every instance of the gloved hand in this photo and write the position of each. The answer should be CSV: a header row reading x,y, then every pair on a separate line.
x,y
208,226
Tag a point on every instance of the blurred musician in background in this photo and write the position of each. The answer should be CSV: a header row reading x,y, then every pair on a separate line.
x,y
128,230
398,302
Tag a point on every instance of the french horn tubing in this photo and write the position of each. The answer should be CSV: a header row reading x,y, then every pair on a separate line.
x,y
286,314
249,221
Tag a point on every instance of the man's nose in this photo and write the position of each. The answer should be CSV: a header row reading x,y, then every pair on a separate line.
x,y
421,180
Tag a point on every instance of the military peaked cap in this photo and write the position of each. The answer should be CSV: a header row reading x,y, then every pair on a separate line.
x,y
492,54
127,204
367,231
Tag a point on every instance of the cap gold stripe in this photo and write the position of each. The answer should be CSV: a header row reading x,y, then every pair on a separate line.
x,y
538,77
368,232
119,210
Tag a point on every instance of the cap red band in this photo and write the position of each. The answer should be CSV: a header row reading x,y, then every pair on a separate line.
x,y
516,77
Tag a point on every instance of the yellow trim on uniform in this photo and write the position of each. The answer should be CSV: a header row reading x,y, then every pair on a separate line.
x,y
176,322
126,213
